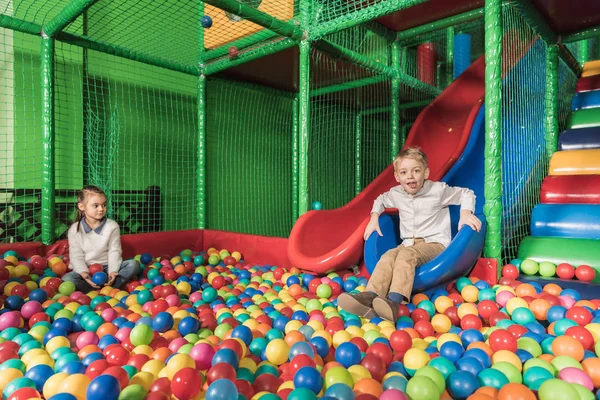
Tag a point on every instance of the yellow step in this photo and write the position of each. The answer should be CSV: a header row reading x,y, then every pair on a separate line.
x,y
575,162
591,68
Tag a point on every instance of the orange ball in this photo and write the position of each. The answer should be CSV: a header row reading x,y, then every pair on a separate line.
x,y
567,346
591,366
515,391
480,396
419,297
59,268
161,354
546,357
368,386
488,391
107,328
482,346
553,289
294,337
539,308
525,289
87,350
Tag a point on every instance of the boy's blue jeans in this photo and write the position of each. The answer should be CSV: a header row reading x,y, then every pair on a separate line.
x,y
129,269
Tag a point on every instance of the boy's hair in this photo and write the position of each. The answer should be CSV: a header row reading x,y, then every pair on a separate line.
x,y
81,196
411,152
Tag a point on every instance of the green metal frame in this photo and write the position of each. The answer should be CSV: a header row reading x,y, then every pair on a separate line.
x,y
303,111
395,101
201,154
67,15
295,158
48,139
551,105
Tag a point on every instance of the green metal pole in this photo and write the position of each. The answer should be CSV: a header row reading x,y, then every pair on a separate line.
x,y
48,137
441,24
19,25
201,168
493,129
583,51
304,119
348,85
358,154
67,15
253,54
449,55
258,17
295,158
551,103
395,102
251,40
403,54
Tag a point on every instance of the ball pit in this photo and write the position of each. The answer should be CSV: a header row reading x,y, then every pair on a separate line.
x,y
207,325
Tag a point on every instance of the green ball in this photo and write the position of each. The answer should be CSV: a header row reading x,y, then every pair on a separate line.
x,y
131,370
324,291
529,345
141,334
561,326
529,267
313,304
10,333
301,394
522,316
583,392
510,371
492,377
15,385
371,335
214,259
221,330
536,362
562,362
245,374
443,365
64,313
66,288
433,374
547,269
144,296
13,363
556,389
422,388
133,392
338,375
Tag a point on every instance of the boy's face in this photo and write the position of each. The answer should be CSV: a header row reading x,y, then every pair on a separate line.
x,y
411,174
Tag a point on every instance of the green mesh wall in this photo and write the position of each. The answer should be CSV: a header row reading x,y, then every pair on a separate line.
x,y
567,81
524,159
249,156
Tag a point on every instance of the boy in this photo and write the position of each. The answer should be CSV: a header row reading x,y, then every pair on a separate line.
x,y
424,229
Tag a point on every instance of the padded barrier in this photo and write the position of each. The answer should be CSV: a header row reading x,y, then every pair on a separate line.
x,y
588,83
584,118
566,220
575,162
570,189
558,250
579,139
585,100
587,290
591,68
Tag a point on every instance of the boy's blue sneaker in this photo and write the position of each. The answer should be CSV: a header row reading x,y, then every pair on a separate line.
x,y
360,304
386,308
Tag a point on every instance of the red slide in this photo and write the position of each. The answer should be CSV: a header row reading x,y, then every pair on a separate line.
x,y
328,240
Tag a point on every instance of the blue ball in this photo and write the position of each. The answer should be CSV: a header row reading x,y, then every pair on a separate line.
x,y
39,374
301,348
243,333
222,389
556,313
14,302
316,205
103,387
461,384
348,354
53,333
321,345
38,295
308,378
452,351
146,258
470,336
90,358
292,280
350,285
73,367
188,325
64,396
206,21
226,356
100,278
340,391
470,364
162,322
480,355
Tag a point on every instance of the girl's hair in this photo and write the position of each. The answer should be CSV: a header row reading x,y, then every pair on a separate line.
x,y
81,197
411,152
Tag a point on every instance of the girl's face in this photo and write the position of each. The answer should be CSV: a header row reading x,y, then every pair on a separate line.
x,y
94,206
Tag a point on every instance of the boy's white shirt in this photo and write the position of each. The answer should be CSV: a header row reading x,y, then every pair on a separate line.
x,y
425,214
91,248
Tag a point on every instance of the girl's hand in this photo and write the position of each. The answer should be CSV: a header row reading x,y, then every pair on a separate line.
x,y
372,226
111,278
469,219
88,279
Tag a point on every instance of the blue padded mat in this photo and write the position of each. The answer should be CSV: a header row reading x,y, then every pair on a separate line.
x,y
585,100
579,139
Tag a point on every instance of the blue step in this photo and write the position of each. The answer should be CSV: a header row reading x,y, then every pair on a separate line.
x,y
585,100
579,139
580,221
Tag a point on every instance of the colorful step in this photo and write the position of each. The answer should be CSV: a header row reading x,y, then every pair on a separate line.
x,y
584,118
558,250
579,139
575,162
566,220
588,83
584,100
570,189
591,68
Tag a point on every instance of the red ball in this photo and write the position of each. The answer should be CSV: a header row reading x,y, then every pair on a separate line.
x,y
381,350
218,282
233,51
219,371
361,343
497,316
452,313
162,385
486,308
299,361
375,365
93,268
585,273
266,383
424,328
510,271
187,383
517,330
581,315
400,341
565,271
501,339
582,335
25,393
118,373
471,321
420,314
244,388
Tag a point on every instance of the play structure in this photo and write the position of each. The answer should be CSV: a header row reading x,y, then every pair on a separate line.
x,y
269,127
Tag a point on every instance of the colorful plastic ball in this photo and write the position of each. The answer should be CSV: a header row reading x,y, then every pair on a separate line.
x,y
348,354
534,377
316,205
99,278
233,52
492,378
324,291
575,375
510,271
556,389
162,322
433,374
304,394
141,334
422,388
25,393
452,351
529,267
547,269
188,325
338,375
15,385
567,346
39,374
462,384
277,351
222,389
443,365
565,271
585,273
103,387
186,383
308,378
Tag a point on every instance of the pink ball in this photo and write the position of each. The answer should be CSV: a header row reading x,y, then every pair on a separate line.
x,y
11,319
202,353
325,280
122,334
165,263
176,344
86,338
317,317
173,300
393,394
575,375
30,308
194,297
75,295
109,314
146,307
566,301
503,297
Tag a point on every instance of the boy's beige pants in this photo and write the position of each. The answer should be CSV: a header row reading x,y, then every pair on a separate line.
x,y
395,271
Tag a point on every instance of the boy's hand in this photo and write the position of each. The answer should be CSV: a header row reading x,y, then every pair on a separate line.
x,y
88,279
469,219
372,226
111,278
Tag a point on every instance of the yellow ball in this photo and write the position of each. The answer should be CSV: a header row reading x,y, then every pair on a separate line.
x,y
43,359
293,325
249,364
142,349
8,375
470,293
466,309
442,303
178,362
419,343
144,379
10,285
359,372
514,303
153,366
448,337
441,323
184,288
355,331
316,325
340,337
370,327
415,359
594,329
505,288
507,356
387,331
32,354
57,342
52,385
76,385
324,334
277,351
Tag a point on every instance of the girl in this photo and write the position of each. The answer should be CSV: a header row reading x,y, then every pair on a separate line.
x,y
95,239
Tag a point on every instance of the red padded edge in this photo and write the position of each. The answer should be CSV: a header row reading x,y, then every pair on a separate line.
x,y
26,249
570,189
588,83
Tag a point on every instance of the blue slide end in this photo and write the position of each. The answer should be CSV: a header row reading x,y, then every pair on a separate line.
x,y
580,221
461,255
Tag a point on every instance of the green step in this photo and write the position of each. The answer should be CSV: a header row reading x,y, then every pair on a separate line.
x,y
558,250
584,118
